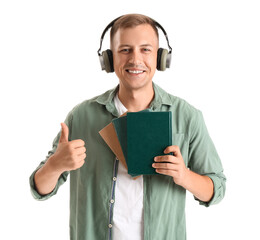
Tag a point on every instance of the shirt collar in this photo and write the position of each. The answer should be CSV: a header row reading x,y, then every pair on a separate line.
x,y
107,100
160,98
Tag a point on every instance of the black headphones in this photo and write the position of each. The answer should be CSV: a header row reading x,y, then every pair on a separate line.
x,y
106,58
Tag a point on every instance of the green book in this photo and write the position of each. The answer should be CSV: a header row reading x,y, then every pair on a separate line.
x,y
148,134
120,125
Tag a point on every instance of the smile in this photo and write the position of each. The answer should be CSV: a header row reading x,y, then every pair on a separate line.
x,y
135,71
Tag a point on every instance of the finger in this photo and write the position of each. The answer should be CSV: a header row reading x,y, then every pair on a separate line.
x,y
78,143
64,137
165,166
165,158
173,149
166,172
79,164
80,150
81,157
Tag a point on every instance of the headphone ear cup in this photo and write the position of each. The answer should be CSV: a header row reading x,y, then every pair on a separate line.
x,y
108,64
162,55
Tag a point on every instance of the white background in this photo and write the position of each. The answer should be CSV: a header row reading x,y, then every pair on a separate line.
x,y
48,64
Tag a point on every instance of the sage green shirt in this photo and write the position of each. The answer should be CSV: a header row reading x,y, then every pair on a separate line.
x,y
92,187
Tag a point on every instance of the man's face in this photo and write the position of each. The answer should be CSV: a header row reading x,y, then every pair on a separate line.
x,y
135,55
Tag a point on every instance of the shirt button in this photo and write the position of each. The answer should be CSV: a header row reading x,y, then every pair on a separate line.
x,y
112,201
114,179
110,225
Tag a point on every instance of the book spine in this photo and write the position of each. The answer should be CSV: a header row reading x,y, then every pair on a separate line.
x,y
170,130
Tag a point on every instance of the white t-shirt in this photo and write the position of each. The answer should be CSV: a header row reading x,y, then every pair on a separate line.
x,y
128,206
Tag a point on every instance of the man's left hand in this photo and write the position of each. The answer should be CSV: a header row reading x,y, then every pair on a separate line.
x,y
172,165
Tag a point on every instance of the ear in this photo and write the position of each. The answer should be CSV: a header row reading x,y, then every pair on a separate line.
x,y
162,56
106,61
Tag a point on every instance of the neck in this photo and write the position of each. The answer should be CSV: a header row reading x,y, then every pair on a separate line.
x,y
137,99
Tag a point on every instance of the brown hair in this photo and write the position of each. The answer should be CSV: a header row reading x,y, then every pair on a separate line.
x,y
132,20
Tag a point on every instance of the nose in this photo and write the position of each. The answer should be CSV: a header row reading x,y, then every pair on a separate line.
x,y
135,57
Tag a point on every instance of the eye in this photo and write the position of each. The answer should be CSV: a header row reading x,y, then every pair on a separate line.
x,y
125,50
146,50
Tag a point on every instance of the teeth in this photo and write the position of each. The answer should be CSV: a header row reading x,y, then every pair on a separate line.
x,y
135,71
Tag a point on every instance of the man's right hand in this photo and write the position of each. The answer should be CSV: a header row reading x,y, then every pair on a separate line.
x,y
70,155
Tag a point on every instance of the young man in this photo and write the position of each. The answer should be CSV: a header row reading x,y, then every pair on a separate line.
x,y
105,202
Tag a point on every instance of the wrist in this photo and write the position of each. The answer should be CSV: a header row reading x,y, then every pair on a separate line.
x,y
51,166
187,179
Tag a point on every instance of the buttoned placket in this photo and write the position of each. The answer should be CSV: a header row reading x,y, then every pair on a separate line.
x,y
112,199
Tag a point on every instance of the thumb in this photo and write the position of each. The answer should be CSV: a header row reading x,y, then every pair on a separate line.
x,y
64,136
175,150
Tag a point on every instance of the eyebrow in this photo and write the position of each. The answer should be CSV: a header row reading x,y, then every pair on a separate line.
x,y
143,45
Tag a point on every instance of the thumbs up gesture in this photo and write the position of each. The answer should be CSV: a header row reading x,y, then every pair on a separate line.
x,y
69,155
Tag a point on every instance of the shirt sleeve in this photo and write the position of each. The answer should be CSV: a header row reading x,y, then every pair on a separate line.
x,y
63,176
204,159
